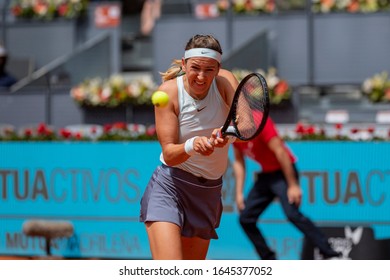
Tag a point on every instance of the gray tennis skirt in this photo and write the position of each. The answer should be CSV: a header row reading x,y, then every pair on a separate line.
x,y
176,196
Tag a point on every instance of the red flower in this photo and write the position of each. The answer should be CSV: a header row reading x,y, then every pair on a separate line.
x,y
327,3
354,130
300,128
28,132
311,130
42,129
371,130
151,131
16,10
107,128
270,6
387,94
338,126
248,5
63,9
281,88
120,125
353,7
65,133
40,8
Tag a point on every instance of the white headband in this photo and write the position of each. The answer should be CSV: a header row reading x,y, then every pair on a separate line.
x,y
203,52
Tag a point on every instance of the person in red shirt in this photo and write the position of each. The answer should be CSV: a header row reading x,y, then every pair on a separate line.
x,y
278,178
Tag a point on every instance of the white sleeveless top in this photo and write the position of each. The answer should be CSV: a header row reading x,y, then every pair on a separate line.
x,y
200,118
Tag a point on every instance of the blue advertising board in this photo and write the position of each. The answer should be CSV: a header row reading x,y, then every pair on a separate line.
x,y
97,186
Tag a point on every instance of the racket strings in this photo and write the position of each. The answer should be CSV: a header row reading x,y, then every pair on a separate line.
x,y
252,101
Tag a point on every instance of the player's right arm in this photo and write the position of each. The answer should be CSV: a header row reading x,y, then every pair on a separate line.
x,y
167,126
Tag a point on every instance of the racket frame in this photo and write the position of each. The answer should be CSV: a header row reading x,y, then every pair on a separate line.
x,y
232,130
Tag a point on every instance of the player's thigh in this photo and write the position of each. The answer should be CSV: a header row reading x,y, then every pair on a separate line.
x,y
164,240
195,248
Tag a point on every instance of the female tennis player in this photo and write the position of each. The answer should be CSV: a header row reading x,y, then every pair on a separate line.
x,y
182,205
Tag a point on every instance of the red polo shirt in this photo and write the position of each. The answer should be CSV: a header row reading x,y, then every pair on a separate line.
x,y
257,148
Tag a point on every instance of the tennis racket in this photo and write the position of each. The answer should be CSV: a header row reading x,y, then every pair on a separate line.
x,y
249,110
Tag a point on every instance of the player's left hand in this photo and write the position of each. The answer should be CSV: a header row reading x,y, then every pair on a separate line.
x,y
217,140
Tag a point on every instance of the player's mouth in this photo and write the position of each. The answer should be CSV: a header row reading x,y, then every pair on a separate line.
x,y
200,85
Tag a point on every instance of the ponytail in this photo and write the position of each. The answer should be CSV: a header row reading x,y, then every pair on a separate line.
x,y
173,71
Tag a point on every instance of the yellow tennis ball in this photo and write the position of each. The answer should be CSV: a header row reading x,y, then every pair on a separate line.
x,y
160,98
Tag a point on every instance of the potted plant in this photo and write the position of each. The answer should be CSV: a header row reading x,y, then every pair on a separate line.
x,y
377,87
48,9
113,99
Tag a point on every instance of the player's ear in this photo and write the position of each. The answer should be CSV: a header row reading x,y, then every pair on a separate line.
x,y
183,64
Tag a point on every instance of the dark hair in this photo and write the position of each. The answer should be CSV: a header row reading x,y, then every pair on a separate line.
x,y
197,41
204,41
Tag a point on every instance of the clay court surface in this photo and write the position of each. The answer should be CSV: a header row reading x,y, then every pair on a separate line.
x,y
14,258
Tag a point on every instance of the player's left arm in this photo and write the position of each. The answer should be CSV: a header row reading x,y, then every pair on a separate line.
x,y
227,84
167,127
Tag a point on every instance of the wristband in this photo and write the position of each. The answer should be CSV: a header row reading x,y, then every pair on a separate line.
x,y
189,146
